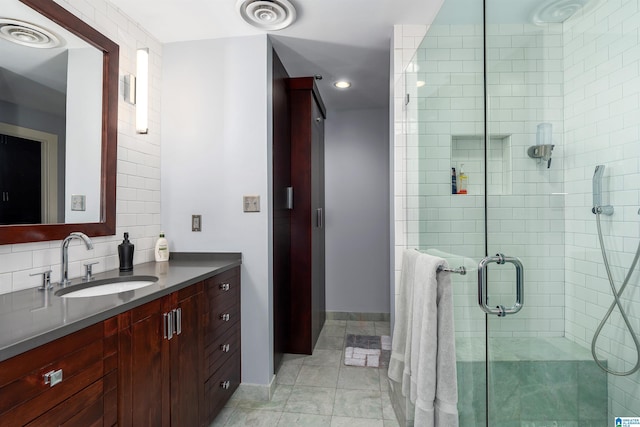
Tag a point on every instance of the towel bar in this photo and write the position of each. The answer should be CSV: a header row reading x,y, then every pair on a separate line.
x,y
460,270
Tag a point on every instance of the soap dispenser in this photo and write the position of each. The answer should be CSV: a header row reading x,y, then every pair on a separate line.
x,y
125,252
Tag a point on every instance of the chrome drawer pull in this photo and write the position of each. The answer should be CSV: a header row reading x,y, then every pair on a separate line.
x,y
225,348
225,317
225,385
53,377
168,325
177,320
224,286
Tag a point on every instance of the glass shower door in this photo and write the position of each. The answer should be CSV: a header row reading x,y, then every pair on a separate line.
x,y
536,376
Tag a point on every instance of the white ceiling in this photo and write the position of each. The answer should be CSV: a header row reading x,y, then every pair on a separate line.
x,y
338,39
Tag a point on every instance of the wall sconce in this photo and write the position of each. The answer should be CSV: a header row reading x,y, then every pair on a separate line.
x,y
130,88
141,87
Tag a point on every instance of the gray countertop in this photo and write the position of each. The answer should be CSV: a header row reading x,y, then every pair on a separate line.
x,y
31,318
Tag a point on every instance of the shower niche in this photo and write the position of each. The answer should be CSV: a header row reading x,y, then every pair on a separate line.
x,y
468,150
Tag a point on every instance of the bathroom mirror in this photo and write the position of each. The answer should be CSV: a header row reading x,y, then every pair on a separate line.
x,y
87,66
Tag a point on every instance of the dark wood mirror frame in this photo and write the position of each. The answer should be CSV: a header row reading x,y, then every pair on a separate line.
x,y
107,225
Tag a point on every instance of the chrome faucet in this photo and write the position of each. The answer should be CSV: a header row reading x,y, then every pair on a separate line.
x,y
64,281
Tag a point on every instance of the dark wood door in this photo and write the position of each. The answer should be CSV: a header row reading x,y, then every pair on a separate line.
x,y
281,212
20,181
187,355
307,306
144,367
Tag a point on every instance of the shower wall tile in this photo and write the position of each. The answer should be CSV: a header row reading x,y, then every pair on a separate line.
x,y
405,40
524,73
602,126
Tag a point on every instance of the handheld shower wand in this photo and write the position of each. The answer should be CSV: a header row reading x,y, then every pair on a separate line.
x,y
598,209
597,193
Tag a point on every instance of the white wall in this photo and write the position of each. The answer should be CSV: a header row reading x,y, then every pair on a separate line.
x,y
138,180
84,136
357,205
216,135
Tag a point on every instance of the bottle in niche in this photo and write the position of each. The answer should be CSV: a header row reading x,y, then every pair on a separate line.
x,y
463,180
125,253
454,186
162,248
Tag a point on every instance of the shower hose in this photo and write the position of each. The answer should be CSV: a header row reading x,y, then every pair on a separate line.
x,y
616,302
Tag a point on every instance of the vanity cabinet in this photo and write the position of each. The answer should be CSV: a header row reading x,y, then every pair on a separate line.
x,y
222,341
174,361
161,358
180,355
71,381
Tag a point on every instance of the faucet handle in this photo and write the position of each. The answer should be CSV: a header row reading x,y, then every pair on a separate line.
x,y
46,280
88,271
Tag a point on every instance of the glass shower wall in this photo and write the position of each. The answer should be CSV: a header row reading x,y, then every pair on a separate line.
x,y
444,126
580,78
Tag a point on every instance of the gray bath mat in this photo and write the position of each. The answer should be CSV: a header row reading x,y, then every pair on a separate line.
x,y
372,351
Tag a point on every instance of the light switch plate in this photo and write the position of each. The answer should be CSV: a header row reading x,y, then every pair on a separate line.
x,y
196,222
78,202
251,203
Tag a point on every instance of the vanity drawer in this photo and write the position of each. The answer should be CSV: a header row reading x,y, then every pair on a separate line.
x,y
83,409
221,385
25,395
224,285
221,349
218,326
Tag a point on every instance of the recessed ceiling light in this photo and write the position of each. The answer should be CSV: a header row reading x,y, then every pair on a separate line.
x,y
420,83
342,84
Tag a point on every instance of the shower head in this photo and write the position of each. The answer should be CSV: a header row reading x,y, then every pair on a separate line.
x,y
597,193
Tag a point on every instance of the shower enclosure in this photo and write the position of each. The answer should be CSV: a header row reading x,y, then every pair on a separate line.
x,y
530,96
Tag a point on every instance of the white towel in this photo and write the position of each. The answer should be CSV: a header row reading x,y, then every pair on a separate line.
x,y
400,344
427,356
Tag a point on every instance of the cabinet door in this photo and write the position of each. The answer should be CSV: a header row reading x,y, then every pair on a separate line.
x,y
144,368
187,356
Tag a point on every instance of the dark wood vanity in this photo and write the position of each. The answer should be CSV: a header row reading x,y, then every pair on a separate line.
x,y
166,355
173,361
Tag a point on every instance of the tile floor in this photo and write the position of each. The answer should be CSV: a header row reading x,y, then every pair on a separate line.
x,y
319,390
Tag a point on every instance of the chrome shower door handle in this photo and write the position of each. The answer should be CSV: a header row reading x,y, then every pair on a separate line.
x,y
500,310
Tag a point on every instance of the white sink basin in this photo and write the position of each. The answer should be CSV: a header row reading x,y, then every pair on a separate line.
x,y
107,286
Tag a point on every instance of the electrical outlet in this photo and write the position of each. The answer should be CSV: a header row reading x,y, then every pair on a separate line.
x,y
78,202
251,203
196,222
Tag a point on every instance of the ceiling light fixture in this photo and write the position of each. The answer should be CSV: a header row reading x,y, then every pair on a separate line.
x,y
420,83
342,84
267,14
